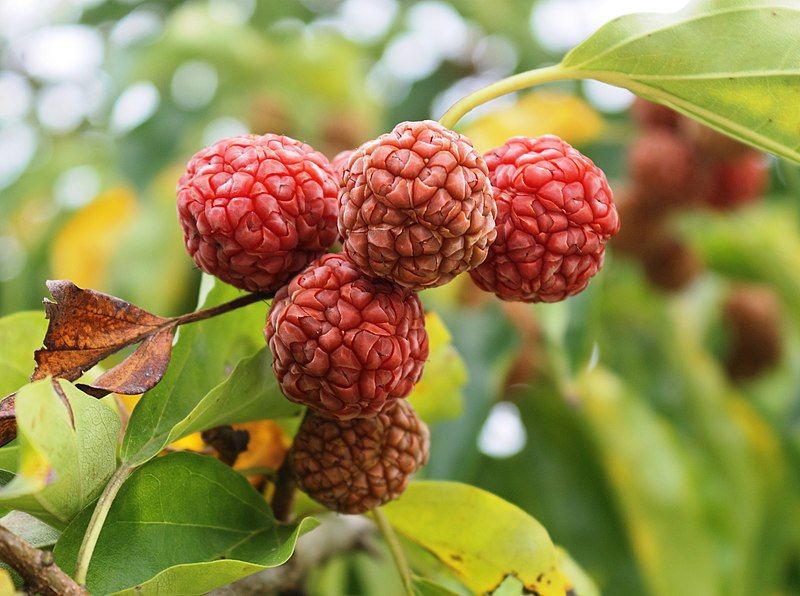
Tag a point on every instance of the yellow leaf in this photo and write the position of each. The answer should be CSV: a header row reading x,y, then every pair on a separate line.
x,y
267,447
537,114
478,535
6,584
83,247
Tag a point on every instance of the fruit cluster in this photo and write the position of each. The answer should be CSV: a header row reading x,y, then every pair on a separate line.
x,y
412,209
674,165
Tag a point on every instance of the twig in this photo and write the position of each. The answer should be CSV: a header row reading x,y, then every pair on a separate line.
x,y
283,499
338,534
394,547
201,315
97,520
41,574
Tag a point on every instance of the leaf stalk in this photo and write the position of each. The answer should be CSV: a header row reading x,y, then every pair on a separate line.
x,y
99,515
396,549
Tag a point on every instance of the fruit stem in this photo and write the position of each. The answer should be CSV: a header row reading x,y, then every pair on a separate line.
x,y
394,547
221,309
511,84
99,515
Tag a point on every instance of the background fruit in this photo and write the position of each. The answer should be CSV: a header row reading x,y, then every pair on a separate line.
x,y
555,213
344,344
257,209
354,466
416,206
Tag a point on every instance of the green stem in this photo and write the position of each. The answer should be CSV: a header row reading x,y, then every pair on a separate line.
x,y
99,516
511,84
397,551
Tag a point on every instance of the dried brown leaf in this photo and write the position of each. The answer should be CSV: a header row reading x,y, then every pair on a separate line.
x,y
140,371
87,326
8,421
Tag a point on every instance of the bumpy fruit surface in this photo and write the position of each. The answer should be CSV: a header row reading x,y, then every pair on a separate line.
x,y
555,213
344,344
416,206
664,166
339,163
354,466
255,210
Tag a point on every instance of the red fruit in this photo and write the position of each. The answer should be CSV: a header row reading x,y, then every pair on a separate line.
x,y
652,115
416,206
710,143
738,181
339,163
554,214
344,344
356,465
664,168
255,210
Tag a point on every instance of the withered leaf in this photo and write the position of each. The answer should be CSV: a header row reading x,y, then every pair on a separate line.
x,y
8,421
87,326
139,372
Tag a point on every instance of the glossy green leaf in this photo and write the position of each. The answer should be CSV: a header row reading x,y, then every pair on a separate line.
x,y
20,334
479,536
732,64
181,524
439,393
249,393
204,355
65,456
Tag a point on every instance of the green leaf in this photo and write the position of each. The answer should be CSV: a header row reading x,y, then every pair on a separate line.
x,y
20,334
203,356
34,531
249,393
66,456
439,393
426,587
731,64
181,524
655,489
479,536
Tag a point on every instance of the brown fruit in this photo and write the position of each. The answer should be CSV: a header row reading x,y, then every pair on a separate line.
x,y
664,169
754,318
416,206
710,143
670,264
652,115
356,465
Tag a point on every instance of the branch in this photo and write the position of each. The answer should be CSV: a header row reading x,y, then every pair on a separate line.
x,y
337,535
41,574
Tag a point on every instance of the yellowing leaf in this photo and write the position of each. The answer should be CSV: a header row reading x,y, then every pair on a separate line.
x,y
536,114
438,395
267,446
478,535
82,249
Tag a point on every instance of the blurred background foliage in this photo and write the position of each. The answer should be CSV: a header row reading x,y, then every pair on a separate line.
x,y
612,417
